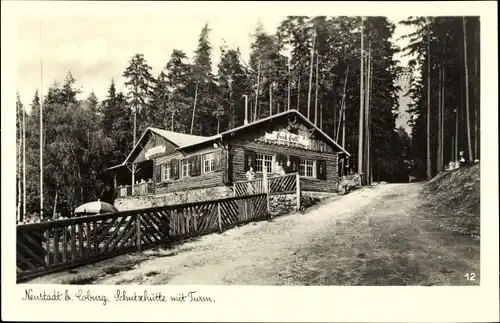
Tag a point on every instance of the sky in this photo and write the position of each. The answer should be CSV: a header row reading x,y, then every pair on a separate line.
x,y
96,45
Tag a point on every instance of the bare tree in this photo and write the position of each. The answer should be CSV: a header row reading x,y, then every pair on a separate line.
x,y
429,165
467,112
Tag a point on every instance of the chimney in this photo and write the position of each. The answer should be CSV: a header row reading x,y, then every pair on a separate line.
x,y
246,109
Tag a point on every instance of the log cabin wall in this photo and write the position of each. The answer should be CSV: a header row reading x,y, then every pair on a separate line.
x,y
198,179
154,141
321,154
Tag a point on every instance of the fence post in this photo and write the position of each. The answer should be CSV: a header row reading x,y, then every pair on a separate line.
x,y
47,247
234,189
219,218
297,178
138,231
265,184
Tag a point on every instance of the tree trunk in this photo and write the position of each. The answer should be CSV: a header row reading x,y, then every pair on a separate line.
x,y
342,105
194,107
477,101
459,118
135,117
429,165
310,78
24,165
316,94
343,126
55,205
368,117
443,78
256,94
231,108
467,112
172,125
18,168
452,148
334,130
298,93
438,159
289,83
321,115
271,99
361,104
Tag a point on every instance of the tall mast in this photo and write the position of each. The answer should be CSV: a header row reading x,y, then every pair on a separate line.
x,y
41,124
24,166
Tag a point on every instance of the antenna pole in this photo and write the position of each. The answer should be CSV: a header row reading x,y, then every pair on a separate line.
x,y
41,124
24,166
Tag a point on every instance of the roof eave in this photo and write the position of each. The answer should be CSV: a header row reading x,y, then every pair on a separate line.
x,y
116,166
209,139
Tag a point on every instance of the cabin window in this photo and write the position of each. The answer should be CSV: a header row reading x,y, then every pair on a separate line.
x,y
185,168
165,172
262,160
208,162
307,168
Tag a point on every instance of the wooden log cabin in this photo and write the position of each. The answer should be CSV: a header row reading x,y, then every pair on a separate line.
x,y
166,167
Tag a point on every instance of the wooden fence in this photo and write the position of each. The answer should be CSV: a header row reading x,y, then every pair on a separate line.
x,y
62,244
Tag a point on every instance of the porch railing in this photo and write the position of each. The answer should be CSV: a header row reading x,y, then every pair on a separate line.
x,y
273,185
135,190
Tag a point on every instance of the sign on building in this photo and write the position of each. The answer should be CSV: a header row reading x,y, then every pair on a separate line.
x,y
154,151
285,137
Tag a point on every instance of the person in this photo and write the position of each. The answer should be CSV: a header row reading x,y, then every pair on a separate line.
x,y
462,159
250,174
280,169
288,167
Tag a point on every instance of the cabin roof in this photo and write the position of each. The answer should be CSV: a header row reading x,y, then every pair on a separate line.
x,y
176,138
251,124
182,140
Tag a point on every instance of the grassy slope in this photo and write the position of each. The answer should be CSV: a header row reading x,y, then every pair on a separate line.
x,y
454,196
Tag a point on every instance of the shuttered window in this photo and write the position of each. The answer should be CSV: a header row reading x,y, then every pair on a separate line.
x,y
249,160
321,169
157,170
194,165
184,168
174,164
218,161
307,168
165,172
208,163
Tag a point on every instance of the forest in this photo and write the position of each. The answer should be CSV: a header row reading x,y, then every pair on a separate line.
x,y
338,71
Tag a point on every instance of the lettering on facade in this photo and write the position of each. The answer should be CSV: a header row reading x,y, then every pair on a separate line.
x,y
285,137
154,151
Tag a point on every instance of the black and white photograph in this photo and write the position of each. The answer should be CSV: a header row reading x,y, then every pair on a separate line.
x,y
247,149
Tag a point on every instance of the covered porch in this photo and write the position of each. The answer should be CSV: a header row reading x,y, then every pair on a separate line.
x,y
134,179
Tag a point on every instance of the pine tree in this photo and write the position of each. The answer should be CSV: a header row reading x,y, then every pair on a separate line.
x,y
140,84
204,89
180,103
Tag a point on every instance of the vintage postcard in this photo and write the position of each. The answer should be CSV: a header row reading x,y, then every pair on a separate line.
x,y
249,161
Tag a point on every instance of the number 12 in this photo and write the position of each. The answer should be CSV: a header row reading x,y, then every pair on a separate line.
x,y
470,276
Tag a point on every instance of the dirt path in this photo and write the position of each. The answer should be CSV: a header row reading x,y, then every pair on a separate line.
x,y
374,236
